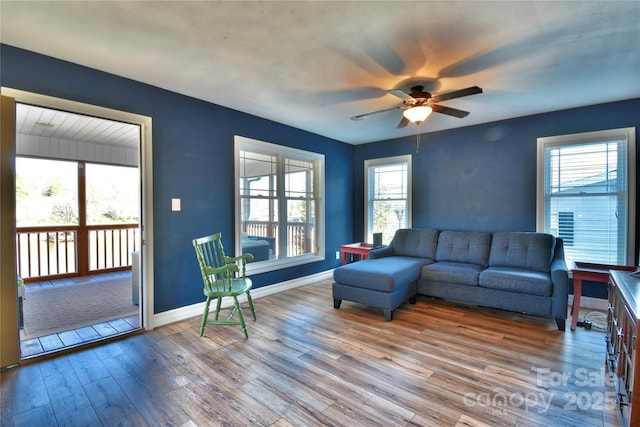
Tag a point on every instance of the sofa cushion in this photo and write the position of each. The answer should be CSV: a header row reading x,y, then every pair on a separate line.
x,y
415,242
470,247
517,280
452,272
529,251
384,274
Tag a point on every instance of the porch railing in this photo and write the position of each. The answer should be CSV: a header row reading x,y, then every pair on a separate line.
x,y
57,251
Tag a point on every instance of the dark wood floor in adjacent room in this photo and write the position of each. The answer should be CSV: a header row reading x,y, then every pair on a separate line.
x,y
308,364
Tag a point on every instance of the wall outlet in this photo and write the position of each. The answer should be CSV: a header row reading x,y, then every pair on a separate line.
x,y
337,254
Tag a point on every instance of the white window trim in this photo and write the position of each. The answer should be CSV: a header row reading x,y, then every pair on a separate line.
x,y
628,134
387,161
240,143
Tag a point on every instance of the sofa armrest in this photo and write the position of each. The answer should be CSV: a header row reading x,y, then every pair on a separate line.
x,y
381,252
560,278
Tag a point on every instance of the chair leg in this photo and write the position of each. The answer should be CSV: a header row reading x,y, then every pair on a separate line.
x,y
241,317
205,315
253,310
218,305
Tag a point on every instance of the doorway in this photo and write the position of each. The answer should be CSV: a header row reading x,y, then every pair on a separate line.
x,y
78,236
88,234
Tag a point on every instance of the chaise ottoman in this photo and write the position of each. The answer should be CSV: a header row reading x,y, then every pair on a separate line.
x,y
382,283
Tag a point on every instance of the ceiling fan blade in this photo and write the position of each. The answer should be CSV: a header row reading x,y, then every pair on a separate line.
x,y
456,94
450,111
403,123
365,115
401,94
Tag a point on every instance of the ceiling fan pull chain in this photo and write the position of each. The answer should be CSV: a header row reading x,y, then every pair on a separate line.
x,y
418,140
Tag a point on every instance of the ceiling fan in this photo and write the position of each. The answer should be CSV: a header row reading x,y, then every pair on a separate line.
x,y
418,104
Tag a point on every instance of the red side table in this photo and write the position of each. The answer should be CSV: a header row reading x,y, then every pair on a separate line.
x,y
360,249
593,272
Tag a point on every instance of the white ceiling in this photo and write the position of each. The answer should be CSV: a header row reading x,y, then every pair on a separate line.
x,y
314,64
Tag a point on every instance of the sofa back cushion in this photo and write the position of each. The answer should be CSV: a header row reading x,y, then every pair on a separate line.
x,y
415,242
471,247
529,251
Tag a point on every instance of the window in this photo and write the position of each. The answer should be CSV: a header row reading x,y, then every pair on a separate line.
x,y
279,204
586,194
388,196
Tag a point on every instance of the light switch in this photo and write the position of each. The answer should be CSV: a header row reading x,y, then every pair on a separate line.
x,y
175,204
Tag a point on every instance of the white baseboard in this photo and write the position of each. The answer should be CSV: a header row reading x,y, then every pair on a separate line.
x,y
187,312
590,302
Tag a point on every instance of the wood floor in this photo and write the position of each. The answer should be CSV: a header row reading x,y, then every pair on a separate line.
x,y
308,364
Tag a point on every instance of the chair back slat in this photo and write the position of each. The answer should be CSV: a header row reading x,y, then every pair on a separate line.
x,y
210,253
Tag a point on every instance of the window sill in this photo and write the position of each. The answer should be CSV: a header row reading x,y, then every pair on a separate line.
x,y
266,266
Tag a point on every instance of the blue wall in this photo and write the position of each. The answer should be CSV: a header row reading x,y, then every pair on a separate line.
x,y
483,177
193,161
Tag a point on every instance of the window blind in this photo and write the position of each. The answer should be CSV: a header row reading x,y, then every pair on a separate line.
x,y
586,199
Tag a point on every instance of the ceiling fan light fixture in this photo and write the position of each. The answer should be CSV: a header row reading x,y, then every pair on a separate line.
x,y
418,114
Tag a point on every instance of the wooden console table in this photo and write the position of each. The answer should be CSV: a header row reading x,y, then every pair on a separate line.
x,y
623,360
360,249
592,272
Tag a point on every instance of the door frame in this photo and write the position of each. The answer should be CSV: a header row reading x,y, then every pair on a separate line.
x,y
145,161
9,334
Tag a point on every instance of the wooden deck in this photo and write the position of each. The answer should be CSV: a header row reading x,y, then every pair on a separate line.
x,y
308,364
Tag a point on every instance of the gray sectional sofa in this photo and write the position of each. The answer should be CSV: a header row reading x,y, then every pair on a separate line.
x,y
516,271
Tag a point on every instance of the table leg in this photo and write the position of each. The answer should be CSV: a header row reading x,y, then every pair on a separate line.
x,y
344,257
575,307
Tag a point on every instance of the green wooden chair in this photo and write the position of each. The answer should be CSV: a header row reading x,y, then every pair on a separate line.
x,y
223,276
